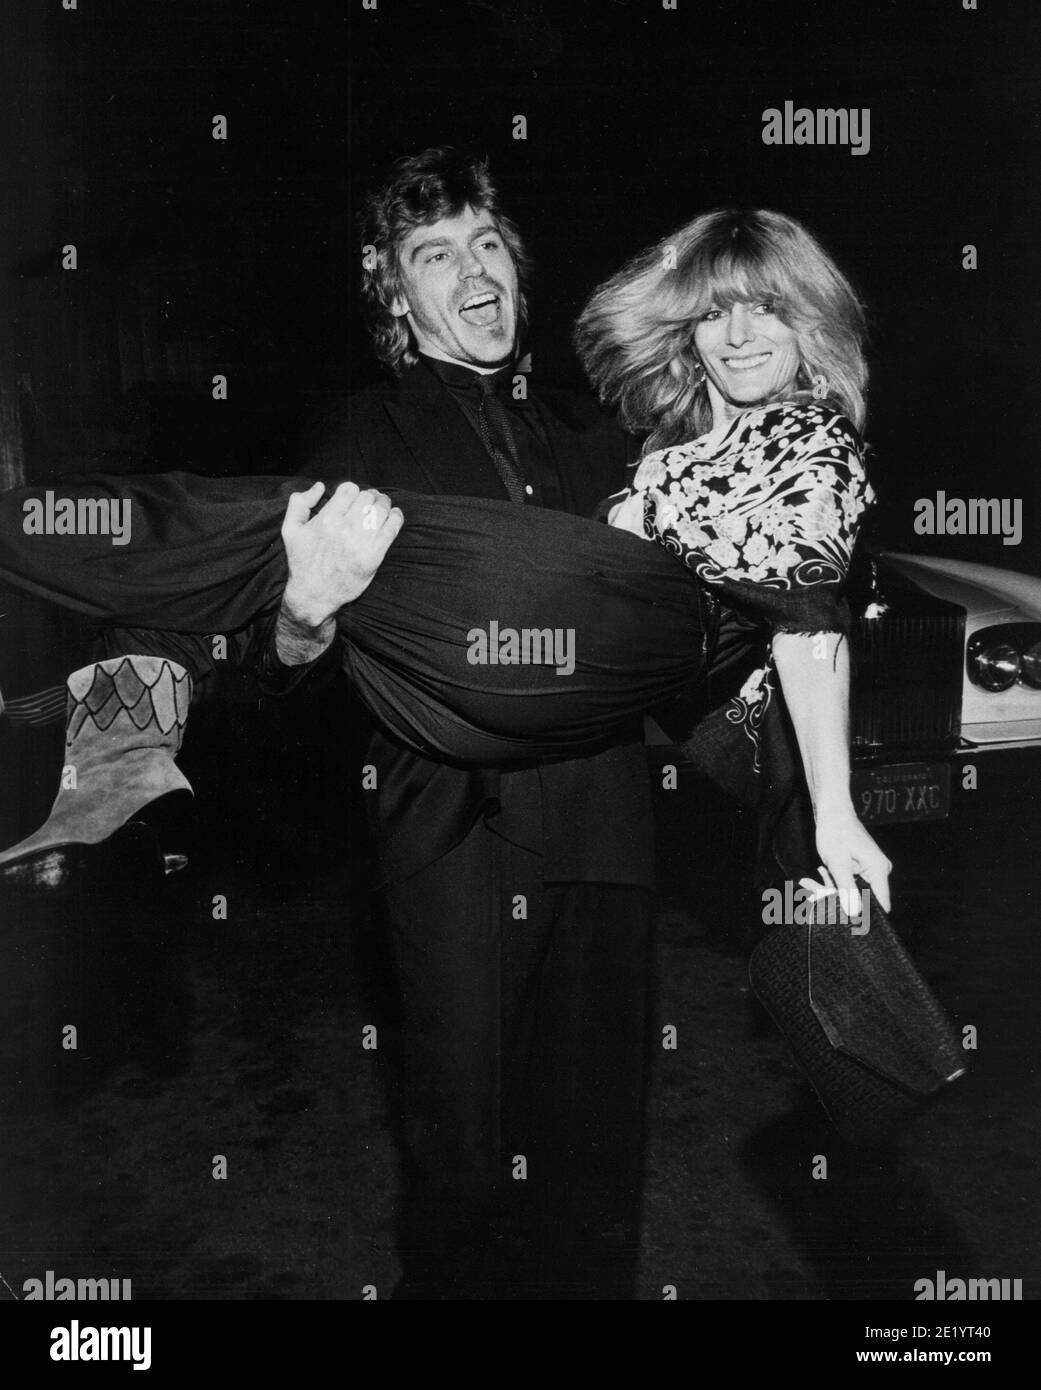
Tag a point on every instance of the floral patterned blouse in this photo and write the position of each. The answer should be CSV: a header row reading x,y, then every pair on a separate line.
x,y
765,511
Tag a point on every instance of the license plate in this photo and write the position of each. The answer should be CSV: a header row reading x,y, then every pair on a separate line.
x,y
904,792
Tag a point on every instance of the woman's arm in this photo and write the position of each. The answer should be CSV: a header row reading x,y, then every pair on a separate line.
x,y
814,675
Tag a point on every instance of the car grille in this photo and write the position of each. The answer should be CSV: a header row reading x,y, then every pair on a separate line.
x,y
907,678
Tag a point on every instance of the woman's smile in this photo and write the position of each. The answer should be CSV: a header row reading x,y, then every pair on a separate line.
x,y
746,364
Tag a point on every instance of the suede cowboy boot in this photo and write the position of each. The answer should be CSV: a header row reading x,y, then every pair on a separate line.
x,y
125,719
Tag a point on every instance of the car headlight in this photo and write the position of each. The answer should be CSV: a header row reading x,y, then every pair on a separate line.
x,y
997,657
1030,666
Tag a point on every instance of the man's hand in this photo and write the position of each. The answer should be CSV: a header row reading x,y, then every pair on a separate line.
x,y
334,555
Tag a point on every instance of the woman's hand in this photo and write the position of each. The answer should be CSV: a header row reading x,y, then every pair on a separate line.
x,y
817,692
846,848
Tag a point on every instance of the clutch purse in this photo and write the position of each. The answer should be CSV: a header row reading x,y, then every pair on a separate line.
x,y
863,1024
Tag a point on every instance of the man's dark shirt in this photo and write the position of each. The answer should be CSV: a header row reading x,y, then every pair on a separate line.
x,y
534,456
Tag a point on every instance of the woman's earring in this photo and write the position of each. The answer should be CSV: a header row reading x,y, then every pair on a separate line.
x,y
700,375
820,387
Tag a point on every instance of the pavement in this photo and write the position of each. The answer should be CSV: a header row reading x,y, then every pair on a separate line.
x,y
236,1034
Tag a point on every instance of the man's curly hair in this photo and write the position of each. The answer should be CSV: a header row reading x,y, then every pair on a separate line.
x,y
420,190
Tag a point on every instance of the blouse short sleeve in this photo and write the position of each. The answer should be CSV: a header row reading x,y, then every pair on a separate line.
x,y
768,515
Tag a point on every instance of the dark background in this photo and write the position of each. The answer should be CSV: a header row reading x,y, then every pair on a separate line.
x,y
198,256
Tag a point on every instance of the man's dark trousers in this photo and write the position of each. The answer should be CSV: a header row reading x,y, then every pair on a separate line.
x,y
525,1017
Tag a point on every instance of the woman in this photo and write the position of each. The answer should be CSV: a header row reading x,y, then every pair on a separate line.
x,y
738,334
737,345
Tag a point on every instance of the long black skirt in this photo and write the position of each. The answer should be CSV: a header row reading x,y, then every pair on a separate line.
x,y
492,633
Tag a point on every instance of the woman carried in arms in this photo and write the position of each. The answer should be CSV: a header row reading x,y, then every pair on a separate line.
x,y
736,344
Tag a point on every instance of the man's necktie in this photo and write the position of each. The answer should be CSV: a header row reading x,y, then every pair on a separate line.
x,y
493,422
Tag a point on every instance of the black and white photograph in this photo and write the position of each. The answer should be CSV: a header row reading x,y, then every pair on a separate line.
x,y
520,665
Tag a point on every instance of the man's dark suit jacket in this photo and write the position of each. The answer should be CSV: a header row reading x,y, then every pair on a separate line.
x,y
591,817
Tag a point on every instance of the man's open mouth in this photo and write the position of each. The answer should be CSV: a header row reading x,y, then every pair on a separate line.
x,y
481,310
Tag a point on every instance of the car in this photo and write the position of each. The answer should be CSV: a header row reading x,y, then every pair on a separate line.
x,y
946,659
947,656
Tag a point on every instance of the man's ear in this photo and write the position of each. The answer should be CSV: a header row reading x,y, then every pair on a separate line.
x,y
399,306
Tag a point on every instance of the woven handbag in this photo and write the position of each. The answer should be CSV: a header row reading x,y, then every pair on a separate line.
x,y
873,1039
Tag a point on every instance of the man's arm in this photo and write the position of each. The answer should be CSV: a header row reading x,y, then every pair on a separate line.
x,y
296,642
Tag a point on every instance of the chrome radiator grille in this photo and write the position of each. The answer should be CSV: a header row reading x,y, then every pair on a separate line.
x,y
907,678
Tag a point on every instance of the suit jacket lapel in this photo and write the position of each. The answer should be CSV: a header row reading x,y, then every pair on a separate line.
x,y
560,436
590,451
440,440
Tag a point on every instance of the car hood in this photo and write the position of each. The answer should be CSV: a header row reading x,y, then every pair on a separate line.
x,y
984,591
989,595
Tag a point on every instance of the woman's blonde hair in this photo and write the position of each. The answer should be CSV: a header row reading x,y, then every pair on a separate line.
x,y
635,337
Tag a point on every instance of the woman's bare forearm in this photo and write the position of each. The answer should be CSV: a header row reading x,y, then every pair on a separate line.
x,y
814,675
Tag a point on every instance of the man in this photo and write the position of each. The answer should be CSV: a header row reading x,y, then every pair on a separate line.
x,y
517,902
